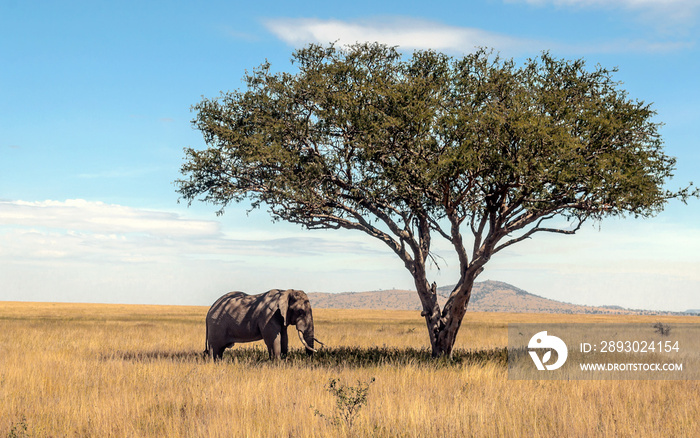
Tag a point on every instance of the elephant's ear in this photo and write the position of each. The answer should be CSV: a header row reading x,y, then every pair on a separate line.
x,y
273,300
283,305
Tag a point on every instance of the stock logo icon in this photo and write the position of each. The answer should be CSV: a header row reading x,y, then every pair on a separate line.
x,y
542,341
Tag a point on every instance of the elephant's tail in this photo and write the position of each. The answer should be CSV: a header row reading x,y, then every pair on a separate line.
x,y
206,342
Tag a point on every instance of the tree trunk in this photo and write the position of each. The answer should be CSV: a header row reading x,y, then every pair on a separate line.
x,y
444,326
453,313
431,307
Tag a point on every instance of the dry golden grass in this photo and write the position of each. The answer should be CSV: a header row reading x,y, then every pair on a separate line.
x,y
108,370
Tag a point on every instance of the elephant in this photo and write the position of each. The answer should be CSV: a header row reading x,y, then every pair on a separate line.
x,y
238,317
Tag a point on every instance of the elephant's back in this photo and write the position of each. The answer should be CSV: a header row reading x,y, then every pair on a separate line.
x,y
231,296
219,307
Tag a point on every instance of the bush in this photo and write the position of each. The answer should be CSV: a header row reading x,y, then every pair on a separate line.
x,y
662,329
348,401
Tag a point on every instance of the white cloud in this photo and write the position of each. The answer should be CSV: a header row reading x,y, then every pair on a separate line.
x,y
98,217
79,250
634,4
422,34
79,228
663,13
404,32
637,264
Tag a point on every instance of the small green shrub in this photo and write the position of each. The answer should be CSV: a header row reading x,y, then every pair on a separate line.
x,y
348,402
662,329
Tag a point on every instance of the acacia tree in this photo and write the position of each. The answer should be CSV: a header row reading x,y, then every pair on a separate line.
x,y
411,149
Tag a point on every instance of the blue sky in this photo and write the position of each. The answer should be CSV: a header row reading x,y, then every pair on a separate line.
x,y
95,111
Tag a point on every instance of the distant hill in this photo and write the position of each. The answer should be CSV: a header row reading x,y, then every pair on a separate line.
x,y
487,296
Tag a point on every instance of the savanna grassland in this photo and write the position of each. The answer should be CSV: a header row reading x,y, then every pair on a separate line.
x,y
112,370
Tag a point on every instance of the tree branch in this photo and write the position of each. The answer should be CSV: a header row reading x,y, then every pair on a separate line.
x,y
320,220
537,229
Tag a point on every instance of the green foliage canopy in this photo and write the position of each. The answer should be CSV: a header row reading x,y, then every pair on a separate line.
x,y
362,132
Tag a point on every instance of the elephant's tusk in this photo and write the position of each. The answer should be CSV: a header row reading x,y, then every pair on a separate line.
x,y
304,342
315,339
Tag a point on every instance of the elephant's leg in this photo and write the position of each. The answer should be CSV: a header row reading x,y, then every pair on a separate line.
x,y
274,345
218,352
284,342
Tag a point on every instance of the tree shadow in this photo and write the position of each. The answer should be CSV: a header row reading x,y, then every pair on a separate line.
x,y
154,355
359,357
348,357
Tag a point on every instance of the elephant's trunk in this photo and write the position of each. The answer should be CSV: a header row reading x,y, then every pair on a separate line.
x,y
309,348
